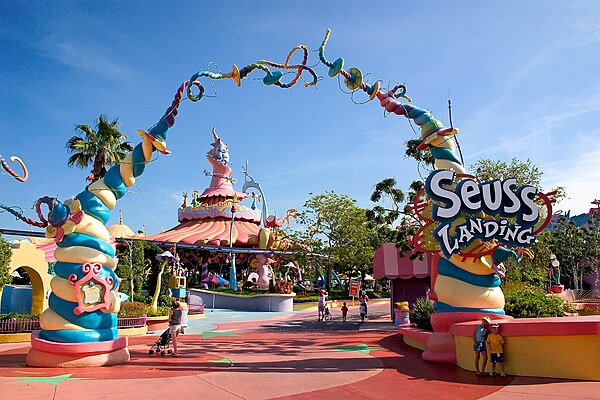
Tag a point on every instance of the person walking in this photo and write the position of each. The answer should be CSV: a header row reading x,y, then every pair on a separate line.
x,y
344,310
174,325
363,312
322,303
364,299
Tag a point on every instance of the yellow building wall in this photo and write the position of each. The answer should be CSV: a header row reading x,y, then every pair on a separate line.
x,y
25,255
571,357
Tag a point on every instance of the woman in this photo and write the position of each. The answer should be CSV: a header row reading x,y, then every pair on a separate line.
x,y
322,303
174,324
363,301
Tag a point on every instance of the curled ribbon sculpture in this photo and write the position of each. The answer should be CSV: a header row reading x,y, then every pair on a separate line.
x,y
12,173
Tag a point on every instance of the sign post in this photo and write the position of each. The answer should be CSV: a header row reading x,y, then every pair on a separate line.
x,y
354,289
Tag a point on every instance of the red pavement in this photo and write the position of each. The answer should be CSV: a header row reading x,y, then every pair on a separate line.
x,y
264,361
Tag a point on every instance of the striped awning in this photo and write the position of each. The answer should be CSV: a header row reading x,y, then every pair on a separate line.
x,y
211,232
387,263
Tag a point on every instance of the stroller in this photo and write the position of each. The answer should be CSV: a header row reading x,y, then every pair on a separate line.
x,y
326,314
162,344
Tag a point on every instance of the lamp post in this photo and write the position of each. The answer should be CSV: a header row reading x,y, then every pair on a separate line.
x,y
232,272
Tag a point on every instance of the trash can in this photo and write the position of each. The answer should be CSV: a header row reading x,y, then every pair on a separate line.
x,y
401,313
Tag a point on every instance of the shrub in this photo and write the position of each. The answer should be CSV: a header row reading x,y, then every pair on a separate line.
x,y
283,287
164,300
5,254
161,311
132,309
18,317
142,298
523,301
420,313
379,295
306,299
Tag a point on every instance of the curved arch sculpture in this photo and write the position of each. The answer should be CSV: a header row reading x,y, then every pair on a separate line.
x,y
79,328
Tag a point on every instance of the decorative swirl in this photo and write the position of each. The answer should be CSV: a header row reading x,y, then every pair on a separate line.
x,y
74,278
271,78
12,173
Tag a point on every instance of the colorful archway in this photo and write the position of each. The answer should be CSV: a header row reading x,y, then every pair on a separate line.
x,y
79,328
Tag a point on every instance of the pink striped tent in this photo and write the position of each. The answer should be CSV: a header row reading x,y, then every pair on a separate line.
x,y
411,279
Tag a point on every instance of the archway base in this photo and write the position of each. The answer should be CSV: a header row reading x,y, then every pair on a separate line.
x,y
60,355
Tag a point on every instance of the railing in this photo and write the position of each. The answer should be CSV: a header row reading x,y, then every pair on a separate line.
x,y
19,325
584,296
136,322
30,325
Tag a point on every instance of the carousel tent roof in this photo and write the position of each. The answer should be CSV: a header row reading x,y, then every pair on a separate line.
x,y
211,232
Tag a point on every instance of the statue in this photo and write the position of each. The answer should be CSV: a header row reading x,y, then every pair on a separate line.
x,y
555,271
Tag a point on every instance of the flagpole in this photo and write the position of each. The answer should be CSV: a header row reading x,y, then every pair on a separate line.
x,y
232,272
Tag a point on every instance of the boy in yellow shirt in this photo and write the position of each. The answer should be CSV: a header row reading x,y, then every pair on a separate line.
x,y
494,344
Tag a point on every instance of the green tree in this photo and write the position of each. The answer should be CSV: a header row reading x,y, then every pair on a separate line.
x,y
389,211
100,148
132,267
5,254
340,230
421,156
577,249
390,208
525,172
533,272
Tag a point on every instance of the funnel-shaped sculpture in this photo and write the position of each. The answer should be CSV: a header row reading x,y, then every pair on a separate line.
x,y
80,326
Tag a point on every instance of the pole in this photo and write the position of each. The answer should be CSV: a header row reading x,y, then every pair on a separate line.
x,y
130,246
232,272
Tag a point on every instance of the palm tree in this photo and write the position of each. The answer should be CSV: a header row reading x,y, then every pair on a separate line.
x,y
102,147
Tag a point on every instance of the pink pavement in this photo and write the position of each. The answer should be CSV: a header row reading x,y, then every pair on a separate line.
x,y
265,360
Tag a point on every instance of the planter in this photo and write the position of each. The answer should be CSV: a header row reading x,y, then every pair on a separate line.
x,y
19,326
157,323
268,302
136,322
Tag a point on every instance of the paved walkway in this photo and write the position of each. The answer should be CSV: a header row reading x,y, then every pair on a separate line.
x,y
232,355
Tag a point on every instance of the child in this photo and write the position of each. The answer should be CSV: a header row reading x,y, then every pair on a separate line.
x,y
364,299
495,342
363,312
326,314
479,338
344,312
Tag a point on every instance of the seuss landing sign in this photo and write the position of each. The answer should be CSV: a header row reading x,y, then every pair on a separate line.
x,y
465,209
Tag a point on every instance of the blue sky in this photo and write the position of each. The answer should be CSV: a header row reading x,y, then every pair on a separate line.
x,y
522,75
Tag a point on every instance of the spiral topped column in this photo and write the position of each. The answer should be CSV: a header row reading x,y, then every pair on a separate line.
x,y
80,326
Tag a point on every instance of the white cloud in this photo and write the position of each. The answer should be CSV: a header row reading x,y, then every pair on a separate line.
x,y
85,59
581,177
